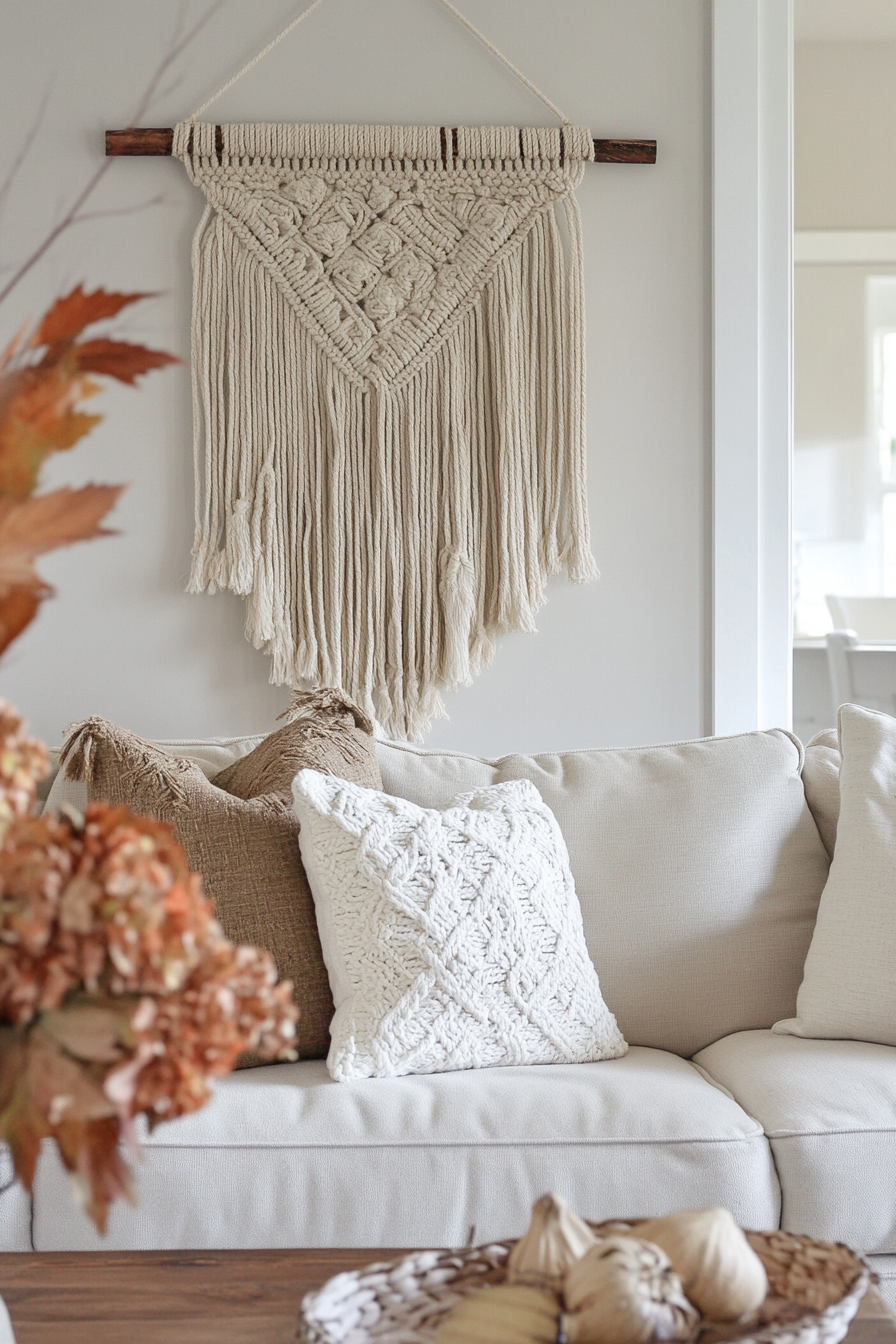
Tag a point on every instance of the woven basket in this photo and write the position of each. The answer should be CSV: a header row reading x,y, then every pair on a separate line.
x,y
814,1292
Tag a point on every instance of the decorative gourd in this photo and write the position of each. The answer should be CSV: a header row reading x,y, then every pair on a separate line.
x,y
556,1237
721,1273
507,1314
624,1291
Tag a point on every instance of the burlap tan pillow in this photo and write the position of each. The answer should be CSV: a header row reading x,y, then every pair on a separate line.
x,y
245,847
323,726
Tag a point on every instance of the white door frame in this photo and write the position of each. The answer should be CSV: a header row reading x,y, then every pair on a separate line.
x,y
752,79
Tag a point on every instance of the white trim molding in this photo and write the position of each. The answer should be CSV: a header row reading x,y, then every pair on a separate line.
x,y
862,247
752,80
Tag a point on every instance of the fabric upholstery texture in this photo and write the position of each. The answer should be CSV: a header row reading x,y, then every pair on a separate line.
x,y
698,867
212,755
324,728
849,980
245,848
829,1111
884,1267
453,938
15,1208
821,780
284,1156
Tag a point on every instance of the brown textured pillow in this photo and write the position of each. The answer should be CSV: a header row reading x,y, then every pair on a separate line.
x,y
239,831
325,732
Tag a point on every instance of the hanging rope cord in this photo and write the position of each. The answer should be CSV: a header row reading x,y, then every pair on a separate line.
x,y
465,22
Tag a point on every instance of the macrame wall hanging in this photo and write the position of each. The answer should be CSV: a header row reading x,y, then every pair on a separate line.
x,y
388,372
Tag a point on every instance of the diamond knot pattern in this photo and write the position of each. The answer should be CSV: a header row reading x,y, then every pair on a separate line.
x,y
379,267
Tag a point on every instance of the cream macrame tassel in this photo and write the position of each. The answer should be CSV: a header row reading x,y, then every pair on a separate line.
x,y
388,363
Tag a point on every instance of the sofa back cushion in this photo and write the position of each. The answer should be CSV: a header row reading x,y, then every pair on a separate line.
x,y
821,780
698,866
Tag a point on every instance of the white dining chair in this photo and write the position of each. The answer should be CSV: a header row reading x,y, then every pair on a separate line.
x,y
861,672
872,618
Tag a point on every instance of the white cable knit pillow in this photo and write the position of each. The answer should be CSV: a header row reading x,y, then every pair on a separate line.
x,y
453,939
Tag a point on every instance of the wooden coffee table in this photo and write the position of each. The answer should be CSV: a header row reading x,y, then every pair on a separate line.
x,y
207,1297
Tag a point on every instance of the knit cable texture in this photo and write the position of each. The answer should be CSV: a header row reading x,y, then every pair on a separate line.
x,y
453,939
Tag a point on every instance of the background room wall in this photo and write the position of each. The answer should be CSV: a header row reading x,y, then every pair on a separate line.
x,y
623,660
844,180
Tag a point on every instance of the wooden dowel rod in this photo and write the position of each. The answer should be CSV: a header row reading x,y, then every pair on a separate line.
x,y
625,151
157,140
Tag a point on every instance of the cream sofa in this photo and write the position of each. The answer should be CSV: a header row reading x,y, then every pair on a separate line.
x,y
699,867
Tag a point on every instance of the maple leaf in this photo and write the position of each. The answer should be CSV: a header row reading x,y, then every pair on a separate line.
x,y
44,1093
21,1126
119,359
18,608
73,312
91,1153
31,527
42,1089
15,345
40,411
39,415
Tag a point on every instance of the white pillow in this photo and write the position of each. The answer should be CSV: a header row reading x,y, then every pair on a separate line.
x,y
453,938
849,981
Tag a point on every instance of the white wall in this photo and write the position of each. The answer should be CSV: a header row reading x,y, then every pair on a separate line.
x,y
624,660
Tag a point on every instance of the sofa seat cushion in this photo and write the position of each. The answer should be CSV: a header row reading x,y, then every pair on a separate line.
x,y
284,1156
697,864
829,1110
884,1267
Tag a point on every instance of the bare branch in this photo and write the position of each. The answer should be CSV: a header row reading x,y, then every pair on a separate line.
x,y
177,48
120,210
74,214
65,223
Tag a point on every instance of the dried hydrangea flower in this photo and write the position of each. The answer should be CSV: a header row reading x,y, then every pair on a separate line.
x,y
125,997
23,764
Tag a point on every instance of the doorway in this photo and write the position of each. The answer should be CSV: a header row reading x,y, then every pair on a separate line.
x,y
844,457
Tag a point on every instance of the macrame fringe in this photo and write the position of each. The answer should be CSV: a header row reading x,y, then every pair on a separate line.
x,y
385,534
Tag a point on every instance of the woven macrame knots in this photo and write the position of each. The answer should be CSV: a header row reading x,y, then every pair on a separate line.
x,y
388,357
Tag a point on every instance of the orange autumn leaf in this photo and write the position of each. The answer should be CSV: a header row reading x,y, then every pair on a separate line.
x,y
119,359
30,527
44,380
21,1124
15,345
18,608
39,415
40,411
33,526
73,312
90,1150
45,1093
